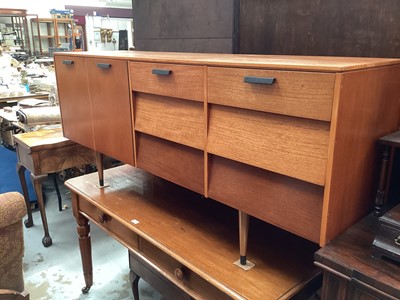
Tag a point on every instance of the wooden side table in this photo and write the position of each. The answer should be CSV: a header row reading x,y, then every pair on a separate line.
x,y
44,152
391,142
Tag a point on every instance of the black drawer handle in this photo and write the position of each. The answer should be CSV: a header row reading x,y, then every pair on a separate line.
x,y
259,80
68,62
104,66
163,72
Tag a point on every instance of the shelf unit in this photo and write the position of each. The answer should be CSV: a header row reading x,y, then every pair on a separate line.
x,y
15,30
51,33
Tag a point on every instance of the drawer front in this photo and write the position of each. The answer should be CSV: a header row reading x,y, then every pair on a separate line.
x,y
179,81
268,196
301,94
181,275
171,119
289,146
109,224
174,162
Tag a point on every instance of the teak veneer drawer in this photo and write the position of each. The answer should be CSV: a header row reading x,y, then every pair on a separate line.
x,y
169,118
179,81
301,94
181,275
174,162
288,203
108,223
290,146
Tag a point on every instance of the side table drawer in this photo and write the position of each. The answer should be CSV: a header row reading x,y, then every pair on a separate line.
x,y
118,230
301,94
181,275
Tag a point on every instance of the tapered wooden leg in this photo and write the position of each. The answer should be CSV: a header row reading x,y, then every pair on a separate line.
x,y
100,168
37,182
243,235
380,193
85,244
134,279
243,240
21,174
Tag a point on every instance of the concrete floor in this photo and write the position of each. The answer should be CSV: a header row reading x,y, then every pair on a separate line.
x,y
56,272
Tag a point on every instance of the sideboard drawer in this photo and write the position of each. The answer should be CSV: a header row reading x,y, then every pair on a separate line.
x,y
108,223
169,118
180,274
290,146
180,81
301,94
274,197
174,162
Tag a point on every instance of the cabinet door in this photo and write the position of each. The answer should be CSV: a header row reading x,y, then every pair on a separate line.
x,y
111,107
74,99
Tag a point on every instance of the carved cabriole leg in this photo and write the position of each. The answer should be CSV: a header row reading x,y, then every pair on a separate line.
x,y
85,245
243,239
134,279
380,193
21,174
37,182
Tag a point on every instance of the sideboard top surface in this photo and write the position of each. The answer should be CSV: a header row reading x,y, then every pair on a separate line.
x,y
280,62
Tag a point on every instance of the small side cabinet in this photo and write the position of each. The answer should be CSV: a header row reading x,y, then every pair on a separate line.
x,y
350,270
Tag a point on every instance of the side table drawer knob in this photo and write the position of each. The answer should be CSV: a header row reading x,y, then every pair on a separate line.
x,y
104,218
397,240
179,273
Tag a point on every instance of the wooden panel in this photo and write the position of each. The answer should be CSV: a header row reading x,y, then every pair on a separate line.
x,y
354,160
185,25
74,100
183,81
111,108
273,197
320,27
176,163
299,94
170,118
285,145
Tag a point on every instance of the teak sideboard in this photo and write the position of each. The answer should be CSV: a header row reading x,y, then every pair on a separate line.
x,y
290,140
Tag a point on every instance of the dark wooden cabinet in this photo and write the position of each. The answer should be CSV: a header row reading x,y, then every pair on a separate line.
x,y
350,270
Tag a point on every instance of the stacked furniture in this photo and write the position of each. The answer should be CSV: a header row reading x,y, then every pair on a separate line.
x,y
289,140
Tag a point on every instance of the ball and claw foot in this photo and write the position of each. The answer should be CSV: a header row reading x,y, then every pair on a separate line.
x,y
85,289
28,223
47,241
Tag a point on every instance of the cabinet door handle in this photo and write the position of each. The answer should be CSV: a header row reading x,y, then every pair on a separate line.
x,y
164,72
259,80
104,66
68,62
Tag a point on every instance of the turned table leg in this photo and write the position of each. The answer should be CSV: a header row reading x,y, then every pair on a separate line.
x,y
85,244
21,174
37,182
